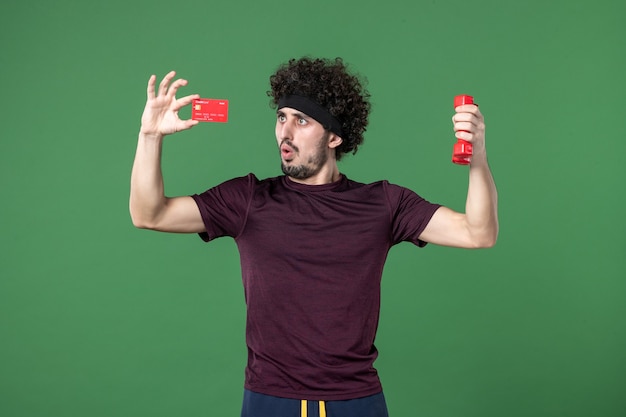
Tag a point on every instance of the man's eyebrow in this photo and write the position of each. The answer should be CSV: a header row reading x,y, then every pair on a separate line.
x,y
294,114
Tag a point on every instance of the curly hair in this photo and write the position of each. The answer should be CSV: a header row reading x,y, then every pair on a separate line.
x,y
328,83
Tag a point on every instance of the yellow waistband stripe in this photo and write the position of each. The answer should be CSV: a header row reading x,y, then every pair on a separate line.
x,y
303,408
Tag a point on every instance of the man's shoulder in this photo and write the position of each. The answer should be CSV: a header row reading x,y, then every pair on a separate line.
x,y
377,184
252,179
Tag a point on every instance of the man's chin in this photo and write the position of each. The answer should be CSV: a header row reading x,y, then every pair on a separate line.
x,y
298,172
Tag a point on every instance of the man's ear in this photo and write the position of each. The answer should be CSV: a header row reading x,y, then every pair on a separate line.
x,y
334,141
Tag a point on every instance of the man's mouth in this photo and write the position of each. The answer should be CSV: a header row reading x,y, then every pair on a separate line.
x,y
287,151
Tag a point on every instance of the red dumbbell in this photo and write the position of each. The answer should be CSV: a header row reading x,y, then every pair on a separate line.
x,y
462,151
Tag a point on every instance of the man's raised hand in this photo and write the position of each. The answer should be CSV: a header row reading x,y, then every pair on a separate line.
x,y
160,116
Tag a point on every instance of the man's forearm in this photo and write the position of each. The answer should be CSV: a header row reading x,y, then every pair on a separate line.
x,y
481,207
147,196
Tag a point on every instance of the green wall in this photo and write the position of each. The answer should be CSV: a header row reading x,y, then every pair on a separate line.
x,y
98,318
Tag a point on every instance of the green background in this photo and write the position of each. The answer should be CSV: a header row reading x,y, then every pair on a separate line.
x,y
98,318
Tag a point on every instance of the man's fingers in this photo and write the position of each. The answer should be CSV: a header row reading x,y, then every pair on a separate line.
x,y
475,119
467,108
184,125
468,123
466,136
185,101
151,87
187,124
165,89
165,82
464,121
464,126
171,93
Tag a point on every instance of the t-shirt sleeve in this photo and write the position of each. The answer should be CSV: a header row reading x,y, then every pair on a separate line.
x,y
410,214
224,208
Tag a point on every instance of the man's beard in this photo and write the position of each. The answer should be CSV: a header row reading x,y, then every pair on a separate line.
x,y
312,166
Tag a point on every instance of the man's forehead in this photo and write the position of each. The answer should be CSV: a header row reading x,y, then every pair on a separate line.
x,y
293,112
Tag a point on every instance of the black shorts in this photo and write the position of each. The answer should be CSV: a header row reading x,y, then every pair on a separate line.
x,y
261,405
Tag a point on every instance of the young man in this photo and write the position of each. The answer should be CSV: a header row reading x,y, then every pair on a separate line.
x,y
312,242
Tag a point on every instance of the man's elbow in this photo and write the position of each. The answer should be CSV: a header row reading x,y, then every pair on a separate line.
x,y
483,238
140,221
486,241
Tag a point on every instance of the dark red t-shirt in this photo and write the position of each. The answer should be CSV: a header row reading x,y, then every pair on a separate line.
x,y
312,258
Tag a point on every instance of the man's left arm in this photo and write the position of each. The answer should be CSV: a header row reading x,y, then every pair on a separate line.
x,y
478,226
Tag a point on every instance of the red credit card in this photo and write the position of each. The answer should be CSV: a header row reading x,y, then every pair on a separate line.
x,y
209,110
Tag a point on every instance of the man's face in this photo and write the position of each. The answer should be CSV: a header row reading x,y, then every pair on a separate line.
x,y
303,143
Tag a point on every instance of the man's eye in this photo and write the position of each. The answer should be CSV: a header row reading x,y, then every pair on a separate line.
x,y
302,121
281,118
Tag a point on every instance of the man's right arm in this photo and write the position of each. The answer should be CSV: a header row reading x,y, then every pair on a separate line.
x,y
149,207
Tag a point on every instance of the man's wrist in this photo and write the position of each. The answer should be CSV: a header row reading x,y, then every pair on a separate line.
x,y
150,135
479,158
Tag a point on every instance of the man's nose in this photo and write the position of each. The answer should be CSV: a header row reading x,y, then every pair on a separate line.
x,y
285,131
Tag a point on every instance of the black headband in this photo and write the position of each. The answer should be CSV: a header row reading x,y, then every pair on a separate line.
x,y
311,108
